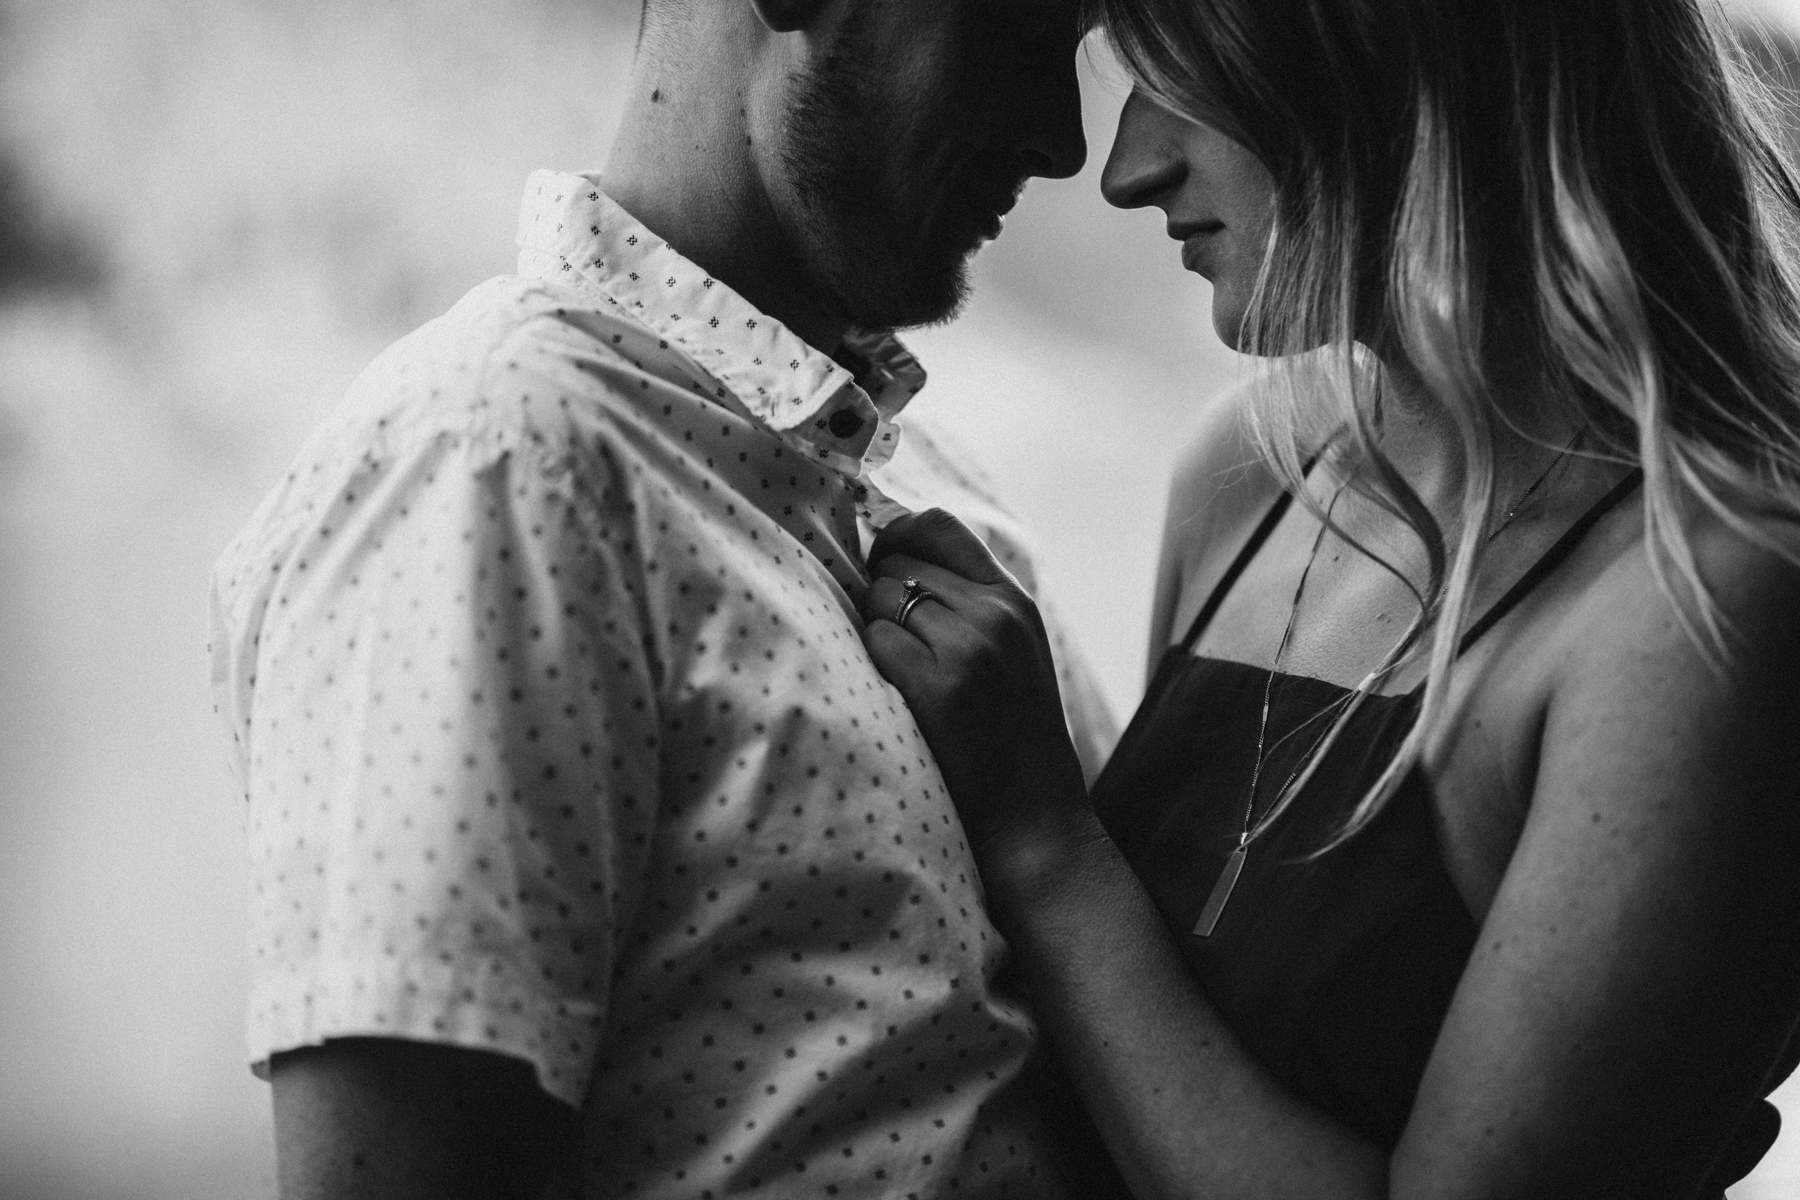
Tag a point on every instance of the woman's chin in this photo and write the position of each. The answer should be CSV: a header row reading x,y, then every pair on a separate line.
x,y
1231,327
1228,324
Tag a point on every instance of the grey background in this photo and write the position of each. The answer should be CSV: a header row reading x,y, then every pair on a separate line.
x,y
211,214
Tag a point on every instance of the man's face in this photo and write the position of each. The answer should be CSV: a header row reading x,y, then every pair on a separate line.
x,y
912,133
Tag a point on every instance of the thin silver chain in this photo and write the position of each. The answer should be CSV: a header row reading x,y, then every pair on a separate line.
x,y
1251,828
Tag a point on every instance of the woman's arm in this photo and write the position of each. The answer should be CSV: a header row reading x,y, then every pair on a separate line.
x,y
1184,1110
1637,973
1635,976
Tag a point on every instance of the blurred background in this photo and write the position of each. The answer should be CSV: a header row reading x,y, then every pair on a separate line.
x,y
211,215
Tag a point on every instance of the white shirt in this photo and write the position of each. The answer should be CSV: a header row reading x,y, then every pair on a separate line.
x,y
559,740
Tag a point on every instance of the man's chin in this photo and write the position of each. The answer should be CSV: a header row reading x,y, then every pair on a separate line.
x,y
909,299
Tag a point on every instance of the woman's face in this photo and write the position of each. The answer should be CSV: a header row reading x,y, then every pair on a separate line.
x,y
1217,195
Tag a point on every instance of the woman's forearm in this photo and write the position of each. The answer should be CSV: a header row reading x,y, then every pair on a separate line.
x,y
1182,1107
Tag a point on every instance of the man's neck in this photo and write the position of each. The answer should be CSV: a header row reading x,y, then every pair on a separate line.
x,y
682,166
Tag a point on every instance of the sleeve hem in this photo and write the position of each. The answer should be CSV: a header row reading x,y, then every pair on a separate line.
x,y
474,1006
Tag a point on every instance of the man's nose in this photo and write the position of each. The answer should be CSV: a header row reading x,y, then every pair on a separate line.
x,y
1142,165
1057,145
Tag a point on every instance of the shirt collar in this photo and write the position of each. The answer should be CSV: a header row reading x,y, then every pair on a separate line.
x,y
569,228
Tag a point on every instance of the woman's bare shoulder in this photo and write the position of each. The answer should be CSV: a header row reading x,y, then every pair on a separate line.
x,y
1649,900
1694,695
1644,609
1220,481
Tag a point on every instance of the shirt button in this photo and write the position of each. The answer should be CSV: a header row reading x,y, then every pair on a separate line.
x,y
844,423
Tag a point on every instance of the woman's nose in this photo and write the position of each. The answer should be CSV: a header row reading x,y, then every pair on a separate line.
x,y
1144,162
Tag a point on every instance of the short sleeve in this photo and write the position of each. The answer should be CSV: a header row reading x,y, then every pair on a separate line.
x,y
450,758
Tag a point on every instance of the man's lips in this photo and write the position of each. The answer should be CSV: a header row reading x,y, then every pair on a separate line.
x,y
990,209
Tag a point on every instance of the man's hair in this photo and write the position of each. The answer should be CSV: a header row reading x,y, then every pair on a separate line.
x,y
1600,185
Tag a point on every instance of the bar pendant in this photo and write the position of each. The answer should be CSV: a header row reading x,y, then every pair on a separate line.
x,y
1215,903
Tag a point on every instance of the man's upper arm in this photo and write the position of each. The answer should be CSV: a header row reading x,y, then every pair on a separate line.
x,y
384,1119
448,728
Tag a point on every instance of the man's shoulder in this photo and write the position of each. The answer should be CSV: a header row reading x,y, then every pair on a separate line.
x,y
550,375
518,361
516,370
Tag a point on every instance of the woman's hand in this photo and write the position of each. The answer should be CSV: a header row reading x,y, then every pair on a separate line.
x,y
974,664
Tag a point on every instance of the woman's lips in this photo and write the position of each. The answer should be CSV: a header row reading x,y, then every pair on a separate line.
x,y
1196,243
1195,240
1191,251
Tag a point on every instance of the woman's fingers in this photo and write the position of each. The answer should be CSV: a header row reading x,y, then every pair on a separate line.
x,y
887,597
915,650
963,617
901,657
964,645
950,589
936,537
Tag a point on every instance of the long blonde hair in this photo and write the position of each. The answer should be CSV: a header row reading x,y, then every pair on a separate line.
x,y
1596,187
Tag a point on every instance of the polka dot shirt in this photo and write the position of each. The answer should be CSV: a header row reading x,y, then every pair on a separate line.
x,y
558,740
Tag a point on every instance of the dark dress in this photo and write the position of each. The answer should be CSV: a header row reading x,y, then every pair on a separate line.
x,y
1335,973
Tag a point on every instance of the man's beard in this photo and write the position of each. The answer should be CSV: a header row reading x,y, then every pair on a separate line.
x,y
863,249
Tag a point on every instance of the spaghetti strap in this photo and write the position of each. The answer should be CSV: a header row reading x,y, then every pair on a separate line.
x,y
1551,558
1564,546
1222,588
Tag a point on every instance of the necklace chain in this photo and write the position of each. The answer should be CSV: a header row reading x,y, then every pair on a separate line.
x,y
1252,828
1519,505
1287,633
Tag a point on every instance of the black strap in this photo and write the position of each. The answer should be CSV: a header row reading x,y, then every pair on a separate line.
x,y
1551,558
1258,536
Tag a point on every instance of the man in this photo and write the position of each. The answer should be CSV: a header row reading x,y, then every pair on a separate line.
x,y
591,857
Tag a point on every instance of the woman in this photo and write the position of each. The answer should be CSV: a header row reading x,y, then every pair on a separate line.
x,y
1451,853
